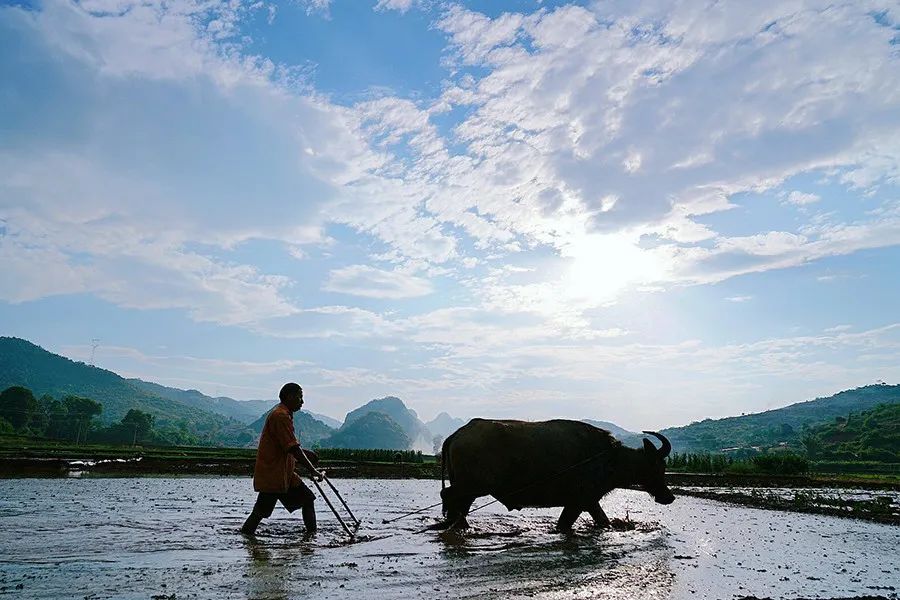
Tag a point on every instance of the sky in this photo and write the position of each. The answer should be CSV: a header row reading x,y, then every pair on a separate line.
x,y
645,212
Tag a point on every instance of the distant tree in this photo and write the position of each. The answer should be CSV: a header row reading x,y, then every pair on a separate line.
x,y
58,424
436,442
81,412
17,406
139,423
812,444
40,419
5,426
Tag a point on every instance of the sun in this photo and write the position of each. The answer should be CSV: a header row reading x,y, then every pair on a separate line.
x,y
604,265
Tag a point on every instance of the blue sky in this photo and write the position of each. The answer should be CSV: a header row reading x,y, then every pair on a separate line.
x,y
642,212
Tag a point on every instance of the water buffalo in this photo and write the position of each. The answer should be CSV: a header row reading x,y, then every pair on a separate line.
x,y
542,464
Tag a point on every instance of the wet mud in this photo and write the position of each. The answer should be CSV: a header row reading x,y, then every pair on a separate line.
x,y
178,538
878,506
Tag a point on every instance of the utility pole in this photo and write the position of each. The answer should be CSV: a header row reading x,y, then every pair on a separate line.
x,y
95,343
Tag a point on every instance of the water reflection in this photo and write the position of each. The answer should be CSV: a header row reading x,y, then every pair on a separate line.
x,y
271,564
523,555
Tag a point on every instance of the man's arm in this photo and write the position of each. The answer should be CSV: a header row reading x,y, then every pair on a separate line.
x,y
301,457
283,429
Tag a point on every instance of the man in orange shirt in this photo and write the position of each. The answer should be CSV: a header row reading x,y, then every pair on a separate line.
x,y
273,476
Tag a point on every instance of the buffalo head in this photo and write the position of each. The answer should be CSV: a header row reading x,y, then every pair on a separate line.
x,y
653,469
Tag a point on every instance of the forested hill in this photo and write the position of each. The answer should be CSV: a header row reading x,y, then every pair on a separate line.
x,y
371,430
779,426
44,373
245,411
872,435
397,412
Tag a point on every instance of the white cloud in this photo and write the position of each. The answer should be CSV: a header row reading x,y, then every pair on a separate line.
x,y
802,198
555,143
547,117
316,6
772,243
398,5
137,209
739,298
363,280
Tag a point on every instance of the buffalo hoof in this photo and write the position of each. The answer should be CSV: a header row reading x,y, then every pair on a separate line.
x,y
448,524
440,526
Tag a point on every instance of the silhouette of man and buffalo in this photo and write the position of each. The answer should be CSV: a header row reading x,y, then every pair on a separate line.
x,y
522,464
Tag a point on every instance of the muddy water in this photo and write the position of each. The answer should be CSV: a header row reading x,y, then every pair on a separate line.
x,y
177,538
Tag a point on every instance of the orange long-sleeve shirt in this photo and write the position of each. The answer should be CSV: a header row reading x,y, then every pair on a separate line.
x,y
274,470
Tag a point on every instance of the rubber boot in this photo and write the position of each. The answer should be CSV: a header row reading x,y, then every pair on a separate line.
x,y
309,517
250,525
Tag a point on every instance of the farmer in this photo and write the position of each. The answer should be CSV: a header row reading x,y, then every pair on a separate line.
x,y
273,476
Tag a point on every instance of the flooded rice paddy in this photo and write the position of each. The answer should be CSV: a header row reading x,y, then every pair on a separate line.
x,y
882,506
178,538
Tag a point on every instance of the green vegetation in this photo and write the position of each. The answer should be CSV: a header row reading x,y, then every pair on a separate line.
x,y
245,411
20,446
776,463
867,442
872,435
47,375
783,427
74,419
370,455
23,454
378,432
371,430
79,402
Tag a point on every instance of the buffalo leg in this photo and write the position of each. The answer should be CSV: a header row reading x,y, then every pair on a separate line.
x,y
456,507
568,517
457,519
600,518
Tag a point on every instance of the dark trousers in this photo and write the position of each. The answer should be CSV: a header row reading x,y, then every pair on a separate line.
x,y
296,497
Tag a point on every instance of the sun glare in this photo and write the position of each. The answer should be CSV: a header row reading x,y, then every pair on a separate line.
x,y
602,266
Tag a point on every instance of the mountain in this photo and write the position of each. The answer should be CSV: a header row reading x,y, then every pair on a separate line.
x,y
370,430
443,424
778,426
330,421
629,438
25,364
406,418
309,430
245,411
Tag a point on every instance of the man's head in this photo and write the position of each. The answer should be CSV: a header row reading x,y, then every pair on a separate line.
x,y
291,395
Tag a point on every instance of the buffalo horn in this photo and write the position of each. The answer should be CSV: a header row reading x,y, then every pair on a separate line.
x,y
666,445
